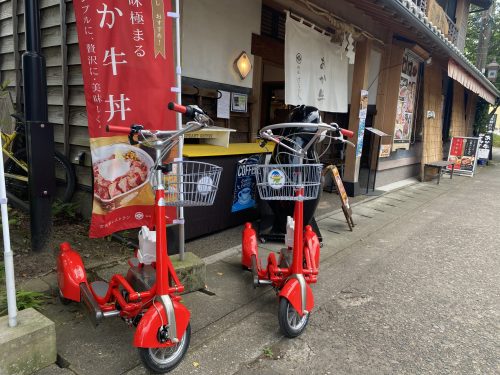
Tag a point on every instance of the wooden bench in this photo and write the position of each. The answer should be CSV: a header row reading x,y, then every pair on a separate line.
x,y
441,165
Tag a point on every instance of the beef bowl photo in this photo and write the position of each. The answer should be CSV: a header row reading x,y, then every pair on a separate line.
x,y
120,172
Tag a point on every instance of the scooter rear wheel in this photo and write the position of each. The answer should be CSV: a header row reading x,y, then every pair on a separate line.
x,y
291,323
162,360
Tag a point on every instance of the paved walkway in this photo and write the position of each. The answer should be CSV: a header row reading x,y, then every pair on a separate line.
x,y
234,323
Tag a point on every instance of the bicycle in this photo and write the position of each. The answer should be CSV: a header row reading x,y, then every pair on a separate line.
x,y
16,166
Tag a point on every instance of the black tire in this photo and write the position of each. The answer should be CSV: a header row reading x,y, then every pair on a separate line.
x,y
291,324
150,359
65,182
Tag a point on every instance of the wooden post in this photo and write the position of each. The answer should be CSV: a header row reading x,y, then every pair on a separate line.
x,y
256,99
360,82
64,82
388,89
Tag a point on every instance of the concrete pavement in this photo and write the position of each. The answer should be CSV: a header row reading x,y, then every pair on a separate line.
x,y
414,288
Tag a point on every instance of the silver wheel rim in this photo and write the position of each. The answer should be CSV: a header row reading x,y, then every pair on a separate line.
x,y
295,321
168,355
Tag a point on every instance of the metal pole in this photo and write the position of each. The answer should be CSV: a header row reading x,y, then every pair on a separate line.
x,y
178,72
39,133
8,256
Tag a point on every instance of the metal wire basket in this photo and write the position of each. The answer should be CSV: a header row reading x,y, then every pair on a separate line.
x,y
191,183
281,181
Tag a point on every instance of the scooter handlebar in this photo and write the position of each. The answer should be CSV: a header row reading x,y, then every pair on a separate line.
x,y
177,107
118,129
347,133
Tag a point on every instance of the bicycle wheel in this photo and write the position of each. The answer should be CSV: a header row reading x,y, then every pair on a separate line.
x,y
65,177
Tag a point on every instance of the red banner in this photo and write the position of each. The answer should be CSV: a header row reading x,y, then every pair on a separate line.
x,y
127,64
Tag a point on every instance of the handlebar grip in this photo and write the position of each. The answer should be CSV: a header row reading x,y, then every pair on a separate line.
x,y
177,107
118,129
347,133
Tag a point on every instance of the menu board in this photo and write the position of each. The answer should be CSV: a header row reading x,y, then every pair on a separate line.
x,y
406,102
463,153
486,139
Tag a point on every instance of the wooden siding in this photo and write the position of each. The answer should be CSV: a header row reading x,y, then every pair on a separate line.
x,y
433,100
65,93
458,108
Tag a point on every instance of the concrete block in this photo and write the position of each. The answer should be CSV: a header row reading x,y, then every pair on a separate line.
x,y
191,271
28,347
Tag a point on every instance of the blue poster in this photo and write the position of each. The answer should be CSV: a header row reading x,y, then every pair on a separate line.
x,y
244,195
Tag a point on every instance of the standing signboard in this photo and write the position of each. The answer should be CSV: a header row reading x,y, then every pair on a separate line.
x,y
486,139
406,101
463,153
127,64
344,199
244,195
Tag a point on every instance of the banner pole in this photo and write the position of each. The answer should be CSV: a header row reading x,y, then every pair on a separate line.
x,y
178,73
8,256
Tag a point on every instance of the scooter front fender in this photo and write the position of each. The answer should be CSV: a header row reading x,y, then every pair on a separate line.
x,y
248,246
146,335
292,292
70,272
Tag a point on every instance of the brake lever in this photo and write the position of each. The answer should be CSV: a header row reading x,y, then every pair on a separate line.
x,y
134,129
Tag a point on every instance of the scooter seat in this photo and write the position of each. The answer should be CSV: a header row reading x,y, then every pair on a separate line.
x,y
100,288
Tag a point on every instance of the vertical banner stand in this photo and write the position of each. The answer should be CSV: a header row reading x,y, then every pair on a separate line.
x,y
178,91
8,256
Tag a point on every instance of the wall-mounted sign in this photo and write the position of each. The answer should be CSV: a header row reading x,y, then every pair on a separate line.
x,y
463,153
239,102
406,102
244,195
117,40
385,151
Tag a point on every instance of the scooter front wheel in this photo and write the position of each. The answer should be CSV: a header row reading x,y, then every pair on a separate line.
x,y
291,323
162,360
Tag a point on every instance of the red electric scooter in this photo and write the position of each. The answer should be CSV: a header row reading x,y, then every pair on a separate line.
x,y
298,264
147,297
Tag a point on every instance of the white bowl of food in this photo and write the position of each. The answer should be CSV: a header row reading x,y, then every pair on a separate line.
x,y
120,172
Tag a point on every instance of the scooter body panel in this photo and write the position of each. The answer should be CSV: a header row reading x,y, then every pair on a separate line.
x,y
292,292
249,246
146,335
311,242
70,272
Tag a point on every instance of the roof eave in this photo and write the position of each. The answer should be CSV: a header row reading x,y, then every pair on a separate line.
x,y
420,21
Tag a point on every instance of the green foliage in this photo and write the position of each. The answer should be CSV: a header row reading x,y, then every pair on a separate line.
x,y
496,140
474,30
25,299
62,210
268,352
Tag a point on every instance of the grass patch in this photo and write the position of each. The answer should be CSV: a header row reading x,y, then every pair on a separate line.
x,y
496,140
25,299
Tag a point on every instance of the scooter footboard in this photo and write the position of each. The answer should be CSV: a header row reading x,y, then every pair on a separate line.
x,y
146,335
70,272
293,293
